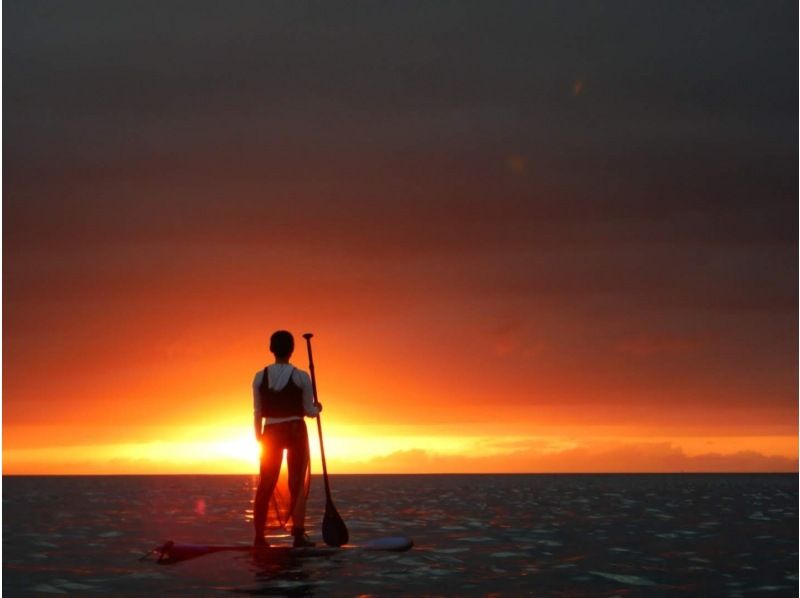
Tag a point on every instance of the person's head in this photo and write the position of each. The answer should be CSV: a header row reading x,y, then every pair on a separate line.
x,y
281,344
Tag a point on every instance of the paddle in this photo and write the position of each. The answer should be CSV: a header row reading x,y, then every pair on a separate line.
x,y
334,531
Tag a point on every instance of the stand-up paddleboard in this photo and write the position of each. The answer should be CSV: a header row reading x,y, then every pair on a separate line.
x,y
172,552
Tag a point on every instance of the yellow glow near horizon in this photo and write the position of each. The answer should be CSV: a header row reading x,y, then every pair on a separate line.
x,y
233,449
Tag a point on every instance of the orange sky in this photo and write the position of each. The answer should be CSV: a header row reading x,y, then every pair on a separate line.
x,y
394,403
578,254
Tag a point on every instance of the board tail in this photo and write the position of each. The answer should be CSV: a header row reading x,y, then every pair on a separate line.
x,y
170,552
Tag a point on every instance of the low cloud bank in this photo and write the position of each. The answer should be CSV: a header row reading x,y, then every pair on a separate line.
x,y
661,457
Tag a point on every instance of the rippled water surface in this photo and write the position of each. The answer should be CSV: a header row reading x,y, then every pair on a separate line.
x,y
539,535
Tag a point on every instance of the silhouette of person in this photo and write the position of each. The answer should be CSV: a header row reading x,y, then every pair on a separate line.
x,y
282,397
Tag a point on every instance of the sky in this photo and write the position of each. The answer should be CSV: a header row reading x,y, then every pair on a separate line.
x,y
528,237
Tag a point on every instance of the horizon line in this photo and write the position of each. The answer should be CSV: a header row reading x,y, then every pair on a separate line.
x,y
542,473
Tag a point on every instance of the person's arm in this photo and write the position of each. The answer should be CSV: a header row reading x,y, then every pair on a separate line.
x,y
258,425
311,409
258,420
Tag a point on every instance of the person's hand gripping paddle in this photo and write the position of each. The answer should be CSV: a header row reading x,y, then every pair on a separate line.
x,y
334,531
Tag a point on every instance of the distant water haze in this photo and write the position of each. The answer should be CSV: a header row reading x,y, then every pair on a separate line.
x,y
527,236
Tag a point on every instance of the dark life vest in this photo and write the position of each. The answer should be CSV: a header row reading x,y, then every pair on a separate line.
x,y
286,402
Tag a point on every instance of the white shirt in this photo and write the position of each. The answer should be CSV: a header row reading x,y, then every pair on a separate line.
x,y
278,375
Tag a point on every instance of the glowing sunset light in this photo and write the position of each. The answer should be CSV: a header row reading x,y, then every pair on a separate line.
x,y
351,450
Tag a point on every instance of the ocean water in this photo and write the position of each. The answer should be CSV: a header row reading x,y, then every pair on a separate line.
x,y
475,535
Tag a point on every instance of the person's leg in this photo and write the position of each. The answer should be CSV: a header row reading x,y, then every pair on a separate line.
x,y
270,469
297,460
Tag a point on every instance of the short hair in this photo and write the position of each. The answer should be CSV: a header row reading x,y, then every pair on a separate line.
x,y
281,343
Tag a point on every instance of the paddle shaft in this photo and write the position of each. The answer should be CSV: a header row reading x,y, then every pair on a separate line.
x,y
319,419
334,531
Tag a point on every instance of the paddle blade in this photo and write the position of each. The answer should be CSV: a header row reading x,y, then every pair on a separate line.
x,y
334,531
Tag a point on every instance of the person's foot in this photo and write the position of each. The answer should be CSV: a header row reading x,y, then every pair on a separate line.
x,y
301,539
260,542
